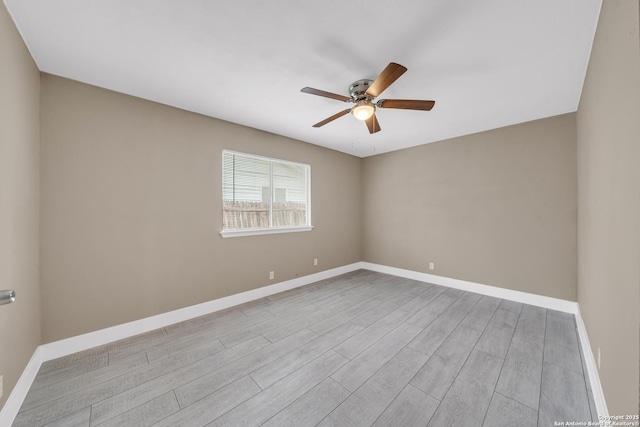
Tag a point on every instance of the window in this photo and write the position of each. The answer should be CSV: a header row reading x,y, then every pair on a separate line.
x,y
262,195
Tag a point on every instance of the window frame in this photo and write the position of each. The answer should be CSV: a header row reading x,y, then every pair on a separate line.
x,y
240,232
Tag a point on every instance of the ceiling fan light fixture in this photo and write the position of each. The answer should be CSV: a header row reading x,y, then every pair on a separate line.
x,y
363,110
364,92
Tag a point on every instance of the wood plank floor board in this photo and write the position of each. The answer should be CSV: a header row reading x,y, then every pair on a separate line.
x,y
563,396
282,300
146,414
531,323
481,313
566,357
561,343
255,307
208,381
44,379
281,319
466,303
322,296
312,407
76,383
124,350
174,375
437,375
370,335
236,337
311,318
284,365
207,320
359,370
213,406
142,338
505,412
177,342
412,407
467,401
269,402
560,314
67,405
335,284
76,361
437,331
369,317
342,351
561,331
417,288
94,393
434,309
592,405
344,316
368,402
497,335
79,418
514,306
420,301
183,345
521,374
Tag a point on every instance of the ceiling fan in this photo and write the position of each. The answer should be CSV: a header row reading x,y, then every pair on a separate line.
x,y
363,92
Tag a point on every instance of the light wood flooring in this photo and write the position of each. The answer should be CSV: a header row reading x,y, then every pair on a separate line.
x,y
360,349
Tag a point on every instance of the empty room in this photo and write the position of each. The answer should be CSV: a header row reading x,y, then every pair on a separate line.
x,y
280,213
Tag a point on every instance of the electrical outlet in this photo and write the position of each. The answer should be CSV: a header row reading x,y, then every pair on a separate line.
x,y
272,275
598,357
315,261
431,266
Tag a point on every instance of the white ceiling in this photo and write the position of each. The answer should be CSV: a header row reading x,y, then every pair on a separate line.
x,y
488,64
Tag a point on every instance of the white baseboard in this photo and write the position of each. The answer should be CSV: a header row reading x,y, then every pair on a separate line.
x,y
89,340
19,392
592,369
104,336
78,343
493,291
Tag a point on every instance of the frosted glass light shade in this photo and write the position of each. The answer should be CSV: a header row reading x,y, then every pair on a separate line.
x,y
363,110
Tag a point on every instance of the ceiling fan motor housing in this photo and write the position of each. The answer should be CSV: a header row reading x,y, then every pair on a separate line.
x,y
358,88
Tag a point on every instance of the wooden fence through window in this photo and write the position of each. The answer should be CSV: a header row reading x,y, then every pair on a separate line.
x,y
238,215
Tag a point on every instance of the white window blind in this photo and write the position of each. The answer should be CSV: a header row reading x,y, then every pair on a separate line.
x,y
260,193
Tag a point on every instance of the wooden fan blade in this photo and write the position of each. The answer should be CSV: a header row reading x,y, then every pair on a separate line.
x,y
332,118
372,124
384,80
406,104
319,92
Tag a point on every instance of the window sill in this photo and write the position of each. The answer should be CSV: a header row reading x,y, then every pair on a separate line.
x,y
260,231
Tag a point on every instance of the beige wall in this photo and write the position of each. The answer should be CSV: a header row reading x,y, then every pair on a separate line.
x,y
608,129
497,208
19,135
131,210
